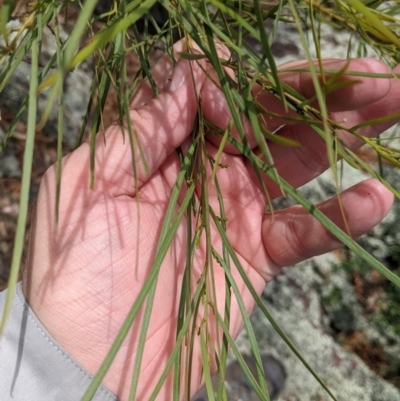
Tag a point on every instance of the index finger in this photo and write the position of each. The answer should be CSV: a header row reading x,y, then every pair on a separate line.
x,y
161,74
366,91
311,156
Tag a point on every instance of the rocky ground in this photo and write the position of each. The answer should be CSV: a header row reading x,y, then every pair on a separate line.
x,y
343,317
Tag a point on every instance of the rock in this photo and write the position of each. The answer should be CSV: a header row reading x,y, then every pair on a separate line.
x,y
298,308
237,385
9,166
286,46
344,313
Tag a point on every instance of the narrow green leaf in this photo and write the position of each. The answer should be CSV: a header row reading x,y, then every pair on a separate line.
x,y
192,56
25,185
252,381
375,23
246,320
206,362
190,317
380,120
5,13
60,125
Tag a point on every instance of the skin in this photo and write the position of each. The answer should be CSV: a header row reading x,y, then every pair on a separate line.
x,y
82,278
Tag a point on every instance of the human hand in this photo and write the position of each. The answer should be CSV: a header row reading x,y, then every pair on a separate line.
x,y
82,277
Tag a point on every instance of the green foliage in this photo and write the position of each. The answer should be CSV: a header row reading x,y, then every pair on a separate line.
x,y
133,26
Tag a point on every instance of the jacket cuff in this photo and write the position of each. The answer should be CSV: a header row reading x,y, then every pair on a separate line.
x,y
33,366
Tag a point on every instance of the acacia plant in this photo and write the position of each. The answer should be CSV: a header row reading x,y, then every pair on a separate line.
x,y
106,33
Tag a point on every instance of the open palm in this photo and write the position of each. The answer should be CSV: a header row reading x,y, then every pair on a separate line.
x,y
83,276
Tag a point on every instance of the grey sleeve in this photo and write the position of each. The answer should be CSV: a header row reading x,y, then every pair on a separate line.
x,y
33,367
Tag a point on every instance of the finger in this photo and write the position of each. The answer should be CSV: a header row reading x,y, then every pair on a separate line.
x,y
159,127
216,110
363,91
310,157
385,107
161,74
366,91
294,235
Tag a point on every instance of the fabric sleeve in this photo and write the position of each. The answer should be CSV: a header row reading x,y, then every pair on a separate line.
x,y
33,367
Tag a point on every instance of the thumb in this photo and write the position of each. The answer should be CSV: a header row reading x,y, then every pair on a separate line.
x,y
295,235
